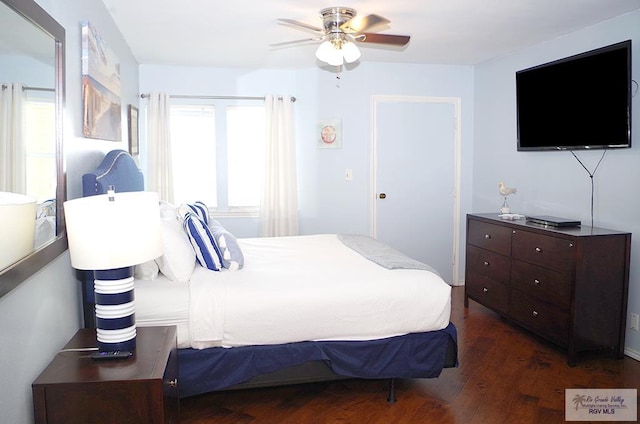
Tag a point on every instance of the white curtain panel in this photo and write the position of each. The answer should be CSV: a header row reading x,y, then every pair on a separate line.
x,y
159,170
13,149
279,206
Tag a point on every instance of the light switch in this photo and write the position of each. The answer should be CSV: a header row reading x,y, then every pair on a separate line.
x,y
348,175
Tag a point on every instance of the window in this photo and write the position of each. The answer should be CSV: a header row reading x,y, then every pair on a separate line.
x,y
245,155
218,155
193,154
39,133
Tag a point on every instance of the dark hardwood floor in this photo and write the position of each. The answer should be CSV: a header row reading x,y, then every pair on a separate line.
x,y
506,375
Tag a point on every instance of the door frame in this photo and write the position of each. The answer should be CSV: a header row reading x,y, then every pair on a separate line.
x,y
456,102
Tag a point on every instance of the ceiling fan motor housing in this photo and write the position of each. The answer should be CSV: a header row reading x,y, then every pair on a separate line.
x,y
334,17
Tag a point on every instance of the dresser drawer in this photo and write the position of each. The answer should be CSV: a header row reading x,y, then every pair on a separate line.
x,y
488,264
489,236
542,283
488,292
549,252
543,318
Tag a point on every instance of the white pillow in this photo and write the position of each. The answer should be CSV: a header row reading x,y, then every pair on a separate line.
x,y
179,259
167,210
146,271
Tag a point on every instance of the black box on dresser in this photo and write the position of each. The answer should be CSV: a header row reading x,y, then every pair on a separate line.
x,y
567,285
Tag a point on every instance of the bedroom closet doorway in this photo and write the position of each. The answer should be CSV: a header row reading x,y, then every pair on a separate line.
x,y
415,171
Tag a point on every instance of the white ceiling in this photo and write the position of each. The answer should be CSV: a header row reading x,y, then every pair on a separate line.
x,y
238,33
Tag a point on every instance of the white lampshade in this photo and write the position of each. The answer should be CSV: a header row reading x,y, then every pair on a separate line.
x,y
347,51
325,51
335,59
108,234
17,227
350,52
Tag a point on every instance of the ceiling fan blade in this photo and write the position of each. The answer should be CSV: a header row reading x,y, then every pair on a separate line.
x,y
395,40
363,23
290,43
301,25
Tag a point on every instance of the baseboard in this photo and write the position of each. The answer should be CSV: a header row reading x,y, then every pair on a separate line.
x,y
632,353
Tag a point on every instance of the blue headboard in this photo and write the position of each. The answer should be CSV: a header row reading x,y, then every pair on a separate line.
x,y
117,169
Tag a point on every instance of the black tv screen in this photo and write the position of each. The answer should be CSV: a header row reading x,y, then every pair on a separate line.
x,y
580,102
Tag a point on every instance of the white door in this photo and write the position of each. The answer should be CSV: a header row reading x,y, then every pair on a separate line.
x,y
415,157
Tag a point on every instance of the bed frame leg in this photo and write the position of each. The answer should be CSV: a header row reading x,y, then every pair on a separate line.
x,y
392,391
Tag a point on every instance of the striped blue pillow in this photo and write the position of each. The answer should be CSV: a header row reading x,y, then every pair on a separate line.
x,y
198,208
231,255
207,252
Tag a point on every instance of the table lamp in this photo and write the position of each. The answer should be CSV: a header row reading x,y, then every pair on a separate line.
x,y
109,234
17,227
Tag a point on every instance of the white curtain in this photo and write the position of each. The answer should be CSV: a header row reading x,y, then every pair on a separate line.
x,y
13,149
279,206
159,170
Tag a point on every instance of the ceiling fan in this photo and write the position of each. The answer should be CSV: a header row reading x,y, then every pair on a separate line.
x,y
341,30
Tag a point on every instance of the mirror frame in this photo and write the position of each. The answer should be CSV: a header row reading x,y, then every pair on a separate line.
x,y
12,276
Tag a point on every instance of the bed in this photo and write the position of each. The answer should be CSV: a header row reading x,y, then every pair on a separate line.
x,y
297,309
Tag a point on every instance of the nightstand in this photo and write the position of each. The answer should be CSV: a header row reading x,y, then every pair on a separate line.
x,y
142,389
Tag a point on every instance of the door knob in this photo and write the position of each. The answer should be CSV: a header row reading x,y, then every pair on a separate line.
x,y
383,195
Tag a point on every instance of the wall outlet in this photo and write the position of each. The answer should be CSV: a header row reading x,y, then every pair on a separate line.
x,y
635,318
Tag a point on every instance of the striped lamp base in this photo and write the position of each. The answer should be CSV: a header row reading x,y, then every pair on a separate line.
x,y
115,310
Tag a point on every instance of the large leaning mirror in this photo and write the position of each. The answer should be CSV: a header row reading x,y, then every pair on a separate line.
x,y
32,181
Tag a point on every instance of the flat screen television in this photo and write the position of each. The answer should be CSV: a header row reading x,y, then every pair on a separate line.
x,y
580,102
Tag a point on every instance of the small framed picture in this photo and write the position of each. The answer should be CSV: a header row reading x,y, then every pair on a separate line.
x,y
329,134
134,146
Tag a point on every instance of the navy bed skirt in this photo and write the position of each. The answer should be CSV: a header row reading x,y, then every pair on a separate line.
x,y
415,355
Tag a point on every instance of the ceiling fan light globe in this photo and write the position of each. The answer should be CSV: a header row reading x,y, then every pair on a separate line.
x,y
351,52
325,51
336,58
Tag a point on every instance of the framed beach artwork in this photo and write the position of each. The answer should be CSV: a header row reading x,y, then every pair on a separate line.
x,y
329,134
101,107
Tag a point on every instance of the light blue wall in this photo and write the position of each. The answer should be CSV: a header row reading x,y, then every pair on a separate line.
x,y
554,183
327,203
41,315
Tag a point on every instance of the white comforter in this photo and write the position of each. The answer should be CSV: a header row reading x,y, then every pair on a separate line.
x,y
311,288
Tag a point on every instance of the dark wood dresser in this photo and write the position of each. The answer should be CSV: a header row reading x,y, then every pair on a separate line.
x,y
568,285
142,389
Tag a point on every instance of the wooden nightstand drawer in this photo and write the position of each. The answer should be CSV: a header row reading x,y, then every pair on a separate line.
x,y
540,317
487,292
542,283
489,264
546,251
489,236
142,389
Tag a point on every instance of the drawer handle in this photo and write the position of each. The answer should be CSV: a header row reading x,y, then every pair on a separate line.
x,y
487,236
535,314
536,282
538,250
570,244
173,383
485,290
485,263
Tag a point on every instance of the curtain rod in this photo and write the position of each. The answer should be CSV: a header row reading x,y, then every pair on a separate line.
x,y
5,86
186,96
